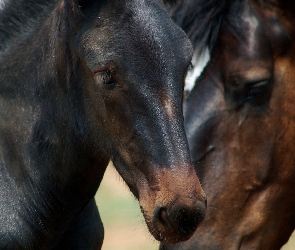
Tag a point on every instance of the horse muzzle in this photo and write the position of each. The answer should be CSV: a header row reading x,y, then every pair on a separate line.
x,y
178,223
174,207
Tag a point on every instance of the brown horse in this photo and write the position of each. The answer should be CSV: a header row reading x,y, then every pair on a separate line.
x,y
83,82
240,121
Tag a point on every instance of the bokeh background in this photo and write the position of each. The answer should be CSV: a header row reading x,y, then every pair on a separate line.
x,y
124,225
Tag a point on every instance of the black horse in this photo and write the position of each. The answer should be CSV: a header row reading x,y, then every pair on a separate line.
x,y
240,121
82,83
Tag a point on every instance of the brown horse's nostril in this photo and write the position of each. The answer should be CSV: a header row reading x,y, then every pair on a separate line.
x,y
164,218
182,219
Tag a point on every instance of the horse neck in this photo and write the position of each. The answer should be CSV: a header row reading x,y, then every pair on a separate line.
x,y
45,125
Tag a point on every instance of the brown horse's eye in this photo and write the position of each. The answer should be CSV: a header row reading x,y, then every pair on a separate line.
x,y
104,77
257,89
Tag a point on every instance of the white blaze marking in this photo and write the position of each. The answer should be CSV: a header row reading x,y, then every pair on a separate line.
x,y
253,24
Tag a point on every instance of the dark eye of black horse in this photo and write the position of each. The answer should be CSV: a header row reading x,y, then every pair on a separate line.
x,y
104,77
257,89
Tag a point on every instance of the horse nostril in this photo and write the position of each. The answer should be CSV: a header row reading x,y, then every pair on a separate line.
x,y
182,219
187,220
163,217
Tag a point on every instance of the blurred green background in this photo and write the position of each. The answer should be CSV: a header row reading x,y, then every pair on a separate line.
x,y
124,225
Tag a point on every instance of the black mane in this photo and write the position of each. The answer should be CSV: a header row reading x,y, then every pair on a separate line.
x,y
17,26
200,19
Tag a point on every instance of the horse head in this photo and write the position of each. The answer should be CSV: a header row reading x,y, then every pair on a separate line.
x,y
84,82
138,59
239,119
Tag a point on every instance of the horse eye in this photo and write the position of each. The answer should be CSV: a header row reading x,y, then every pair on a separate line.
x,y
257,89
104,77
